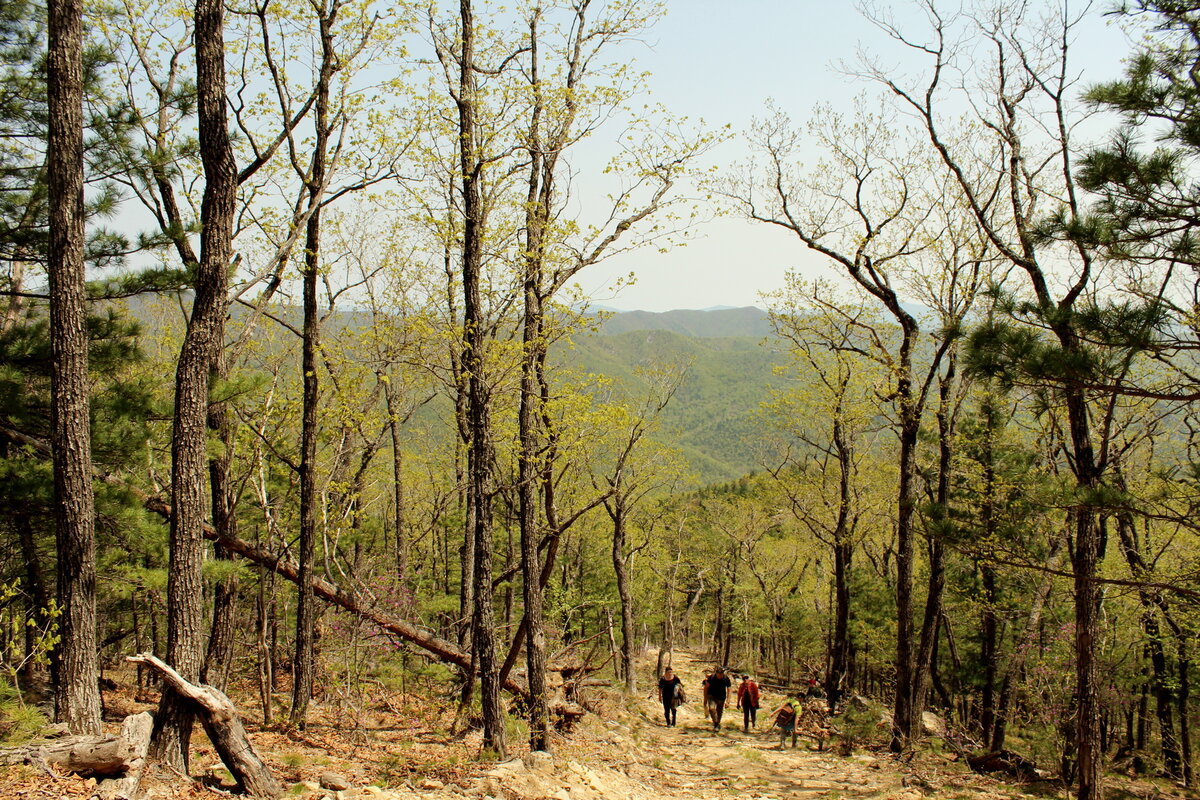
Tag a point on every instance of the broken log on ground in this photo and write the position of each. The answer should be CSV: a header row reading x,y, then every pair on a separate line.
x,y
223,726
135,731
99,756
1006,762
91,756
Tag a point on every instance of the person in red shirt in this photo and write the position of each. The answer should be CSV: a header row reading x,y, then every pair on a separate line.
x,y
747,701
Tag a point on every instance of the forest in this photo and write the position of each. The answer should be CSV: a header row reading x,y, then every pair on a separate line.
x,y
300,391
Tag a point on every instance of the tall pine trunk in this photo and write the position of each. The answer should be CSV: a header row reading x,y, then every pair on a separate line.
x,y
1086,560
76,696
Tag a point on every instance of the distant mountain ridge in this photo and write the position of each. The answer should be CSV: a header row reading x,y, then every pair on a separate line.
x,y
707,324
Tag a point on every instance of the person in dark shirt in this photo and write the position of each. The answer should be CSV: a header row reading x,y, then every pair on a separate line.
x,y
718,690
670,692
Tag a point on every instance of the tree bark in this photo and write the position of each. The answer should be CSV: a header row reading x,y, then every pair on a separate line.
x,y
202,340
533,342
219,656
1085,560
76,696
135,732
620,559
927,649
904,724
843,554
303,663
479,462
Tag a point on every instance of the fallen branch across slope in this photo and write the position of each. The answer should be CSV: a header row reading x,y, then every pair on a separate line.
x,y
326,590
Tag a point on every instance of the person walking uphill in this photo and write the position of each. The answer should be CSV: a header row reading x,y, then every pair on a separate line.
x,y
786,719
747,701
670,692
717,688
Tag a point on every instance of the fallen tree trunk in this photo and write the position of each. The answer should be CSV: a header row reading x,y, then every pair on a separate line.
x,y
116,760
220,720
444,650
328,591
99,756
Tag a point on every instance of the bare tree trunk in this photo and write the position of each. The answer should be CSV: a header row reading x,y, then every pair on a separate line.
x,y
400,534
266,664
843,554
219,657
930,625
76,697
303,664
204,336
620,567
533,343
1086,558
223,727
910,423
479,461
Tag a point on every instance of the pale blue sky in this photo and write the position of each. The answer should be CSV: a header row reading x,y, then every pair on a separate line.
x,y
722,60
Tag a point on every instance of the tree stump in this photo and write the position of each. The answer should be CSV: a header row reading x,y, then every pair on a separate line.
x,y
220,720
135,732
116,760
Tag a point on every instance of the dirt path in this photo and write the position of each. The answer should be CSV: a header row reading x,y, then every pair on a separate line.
x,y
693,756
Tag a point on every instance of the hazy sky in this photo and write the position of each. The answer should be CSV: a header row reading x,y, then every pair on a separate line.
x,y
721,60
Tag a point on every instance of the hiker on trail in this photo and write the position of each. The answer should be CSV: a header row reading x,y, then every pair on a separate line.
x,y
747,701
814,691
717,686
704,693
787,718
670,692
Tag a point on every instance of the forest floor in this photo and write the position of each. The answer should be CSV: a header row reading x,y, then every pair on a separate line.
x,y
389,746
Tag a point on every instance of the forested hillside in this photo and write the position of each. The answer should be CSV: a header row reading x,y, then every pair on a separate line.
x,y
308,436
727,357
